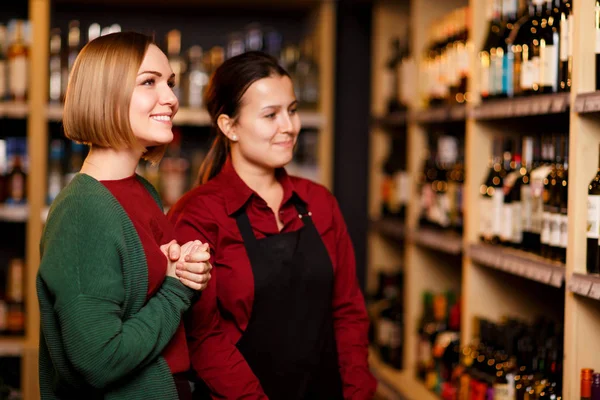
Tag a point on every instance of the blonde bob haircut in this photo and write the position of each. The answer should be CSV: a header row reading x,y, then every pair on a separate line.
x,y
99,93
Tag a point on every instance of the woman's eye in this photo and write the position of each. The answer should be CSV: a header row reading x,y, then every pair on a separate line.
x,y
171,84
149,81
293,111
270,116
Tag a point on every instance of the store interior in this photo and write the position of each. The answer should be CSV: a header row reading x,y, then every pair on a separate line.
x,y
460,138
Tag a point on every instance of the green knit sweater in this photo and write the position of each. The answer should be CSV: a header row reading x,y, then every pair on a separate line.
x,y
100,339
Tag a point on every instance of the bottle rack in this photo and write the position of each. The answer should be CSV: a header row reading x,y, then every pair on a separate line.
x,y
494,281
39,113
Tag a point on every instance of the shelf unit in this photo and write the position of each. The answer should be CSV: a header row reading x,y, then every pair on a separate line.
x,y
493,281
38,114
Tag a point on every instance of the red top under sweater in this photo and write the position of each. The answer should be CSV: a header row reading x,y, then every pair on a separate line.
x,y
154,230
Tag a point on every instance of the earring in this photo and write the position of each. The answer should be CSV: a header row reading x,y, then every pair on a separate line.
x,y
234,138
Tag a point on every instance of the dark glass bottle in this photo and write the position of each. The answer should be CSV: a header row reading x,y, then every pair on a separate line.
x,y
593,224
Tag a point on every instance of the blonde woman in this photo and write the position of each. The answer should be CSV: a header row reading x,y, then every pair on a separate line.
x,y
113,284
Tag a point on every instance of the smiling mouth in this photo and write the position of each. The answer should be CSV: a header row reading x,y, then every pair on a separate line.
x,y
161,118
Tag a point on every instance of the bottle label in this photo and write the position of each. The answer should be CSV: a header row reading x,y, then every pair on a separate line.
x,y
484,84
17,70
502,391
507,73
485,217
493,73
535,70
528,74
545,235
526,210
443,209
593,216
548,65
554,230
564,39
507,223
384,333
564,230
537,203
517,233
17,188
402,187
497,207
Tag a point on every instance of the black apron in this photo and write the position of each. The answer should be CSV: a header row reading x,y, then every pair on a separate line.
x,y
289,342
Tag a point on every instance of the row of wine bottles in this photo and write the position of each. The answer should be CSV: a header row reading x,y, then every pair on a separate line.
x,y
387,325
524,198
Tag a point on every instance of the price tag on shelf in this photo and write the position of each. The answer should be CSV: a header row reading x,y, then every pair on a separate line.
x,y
557,279
545,275
579,104
580,285
592,103
559,104
595,291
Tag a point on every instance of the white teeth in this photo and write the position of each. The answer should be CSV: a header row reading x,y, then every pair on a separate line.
x,y
161,117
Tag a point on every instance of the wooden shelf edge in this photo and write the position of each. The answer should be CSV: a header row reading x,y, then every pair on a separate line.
x,y
397,384
11,346
440,114
518,263
444,241
556,103
584,285
587,103
390,227
394,120
14,213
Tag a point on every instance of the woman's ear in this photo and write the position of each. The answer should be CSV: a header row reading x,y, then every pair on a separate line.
x,y
226,125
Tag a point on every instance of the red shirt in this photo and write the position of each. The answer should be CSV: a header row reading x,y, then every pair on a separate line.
x,y
154,230
221,315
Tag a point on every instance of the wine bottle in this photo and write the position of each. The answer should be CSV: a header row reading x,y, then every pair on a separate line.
x,y
586,383
549,51
593,224
597,31
538,177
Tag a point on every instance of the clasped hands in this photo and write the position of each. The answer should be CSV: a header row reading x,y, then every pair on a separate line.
x,y
188,263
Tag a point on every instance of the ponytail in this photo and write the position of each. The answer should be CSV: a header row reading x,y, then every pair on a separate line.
x,y
215,159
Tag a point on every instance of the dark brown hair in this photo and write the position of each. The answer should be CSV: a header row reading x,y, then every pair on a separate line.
x,y
224,94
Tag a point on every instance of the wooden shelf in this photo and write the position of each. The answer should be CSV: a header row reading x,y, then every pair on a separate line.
x,y
584,285
522,107
200,117
397,384
587,103
11,346
13,213
393,228
395,120
519,263
444,241
440,114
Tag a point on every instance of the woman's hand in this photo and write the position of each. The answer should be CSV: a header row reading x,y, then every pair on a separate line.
x,y
189,263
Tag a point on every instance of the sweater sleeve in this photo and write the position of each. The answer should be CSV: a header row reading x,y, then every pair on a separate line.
x,y
82,261
351,322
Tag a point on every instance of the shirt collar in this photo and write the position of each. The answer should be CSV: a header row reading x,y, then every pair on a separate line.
x,y
237,193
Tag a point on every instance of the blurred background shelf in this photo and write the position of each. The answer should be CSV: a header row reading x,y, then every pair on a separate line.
x,y
401,384
390,227
522,107
586,103
585,285
519,263
13,213
439,240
